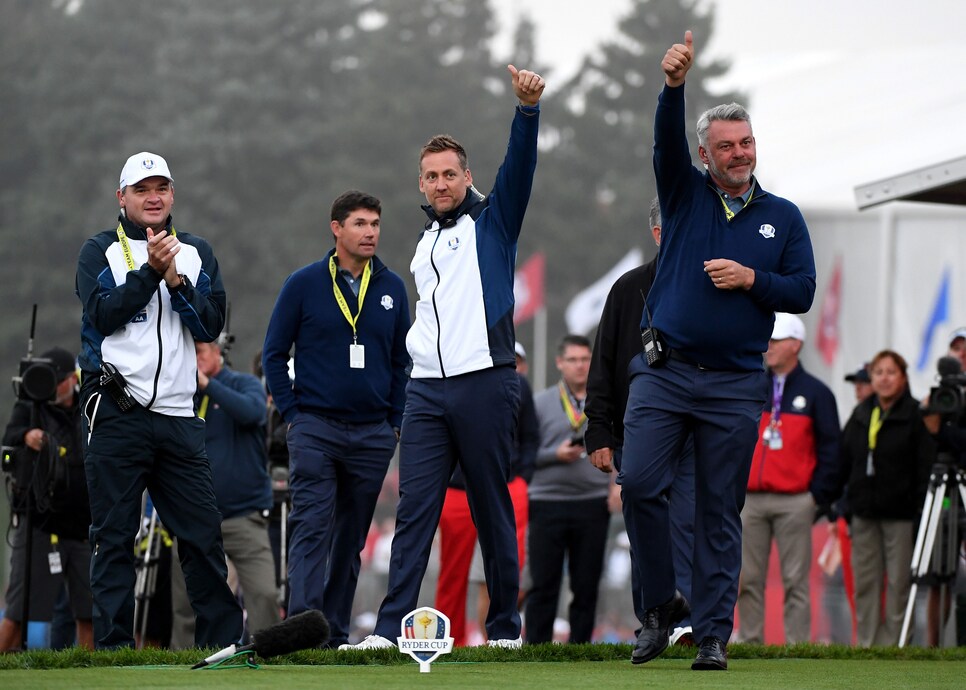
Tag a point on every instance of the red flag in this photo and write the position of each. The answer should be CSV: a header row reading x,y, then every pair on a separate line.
x,y
528,289
828,327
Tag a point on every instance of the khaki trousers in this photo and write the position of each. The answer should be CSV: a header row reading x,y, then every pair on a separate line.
x,y
786,518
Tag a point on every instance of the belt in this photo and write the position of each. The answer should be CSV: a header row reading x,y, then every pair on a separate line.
x,y
678,357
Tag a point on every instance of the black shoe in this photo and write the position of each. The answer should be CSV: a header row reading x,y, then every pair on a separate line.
x,y
712,656
653,638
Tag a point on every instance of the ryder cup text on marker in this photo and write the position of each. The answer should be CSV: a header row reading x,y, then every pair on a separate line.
x,y
421,645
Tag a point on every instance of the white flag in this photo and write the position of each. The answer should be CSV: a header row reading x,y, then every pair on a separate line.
x,y
583,312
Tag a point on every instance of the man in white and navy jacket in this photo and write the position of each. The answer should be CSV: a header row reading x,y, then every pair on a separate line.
x,y
463,396
148,294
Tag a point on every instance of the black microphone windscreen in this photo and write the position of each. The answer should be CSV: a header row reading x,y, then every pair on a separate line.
x,y
949,366
301,631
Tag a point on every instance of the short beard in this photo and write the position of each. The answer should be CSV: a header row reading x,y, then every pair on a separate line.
x,y
730,179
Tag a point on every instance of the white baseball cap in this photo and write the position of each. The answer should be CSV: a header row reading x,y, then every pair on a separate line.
x,y
788,326
143,165
956,335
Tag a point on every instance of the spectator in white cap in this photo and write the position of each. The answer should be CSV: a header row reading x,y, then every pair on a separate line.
x,y
957,345
148,293
794,473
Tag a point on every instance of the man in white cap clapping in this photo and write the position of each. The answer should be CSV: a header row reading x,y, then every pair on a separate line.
x,y
148,293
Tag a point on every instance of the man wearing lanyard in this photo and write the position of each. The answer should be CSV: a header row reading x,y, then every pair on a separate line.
x,y
148,294
347,317
794,470
731,255
568,504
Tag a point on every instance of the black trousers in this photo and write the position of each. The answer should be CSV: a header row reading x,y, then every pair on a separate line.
x,y
577,531
125,453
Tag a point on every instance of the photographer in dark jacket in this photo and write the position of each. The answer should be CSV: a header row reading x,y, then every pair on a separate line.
x,y
60,515
888,453
618,341
950,434
949,431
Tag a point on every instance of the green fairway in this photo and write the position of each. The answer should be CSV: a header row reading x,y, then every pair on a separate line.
x,y
744,673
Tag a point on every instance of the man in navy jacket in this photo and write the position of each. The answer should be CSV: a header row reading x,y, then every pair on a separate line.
x,y
731,255
464,394
347,317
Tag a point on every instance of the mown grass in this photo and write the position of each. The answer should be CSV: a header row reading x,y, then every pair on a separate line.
x,y
548,653
743,674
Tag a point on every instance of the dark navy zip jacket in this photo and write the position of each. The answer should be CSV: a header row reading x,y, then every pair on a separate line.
x,y
235,414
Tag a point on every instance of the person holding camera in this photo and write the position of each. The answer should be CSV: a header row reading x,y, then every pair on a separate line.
x,y
44,438
950,435
148,293
887,455
569,515
732,254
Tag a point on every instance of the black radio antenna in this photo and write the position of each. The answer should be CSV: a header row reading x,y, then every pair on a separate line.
x,y
33,328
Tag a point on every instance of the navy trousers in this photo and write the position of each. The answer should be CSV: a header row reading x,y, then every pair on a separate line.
x,y
721,410
681,513
337,470
126,452
468,419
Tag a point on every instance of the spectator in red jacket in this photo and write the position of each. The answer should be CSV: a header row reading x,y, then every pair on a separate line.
x,y
793,471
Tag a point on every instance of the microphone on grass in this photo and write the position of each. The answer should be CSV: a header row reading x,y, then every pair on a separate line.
x,y
301,631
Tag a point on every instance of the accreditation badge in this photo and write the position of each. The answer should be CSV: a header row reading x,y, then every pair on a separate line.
x,y
357,356
53,561
775,440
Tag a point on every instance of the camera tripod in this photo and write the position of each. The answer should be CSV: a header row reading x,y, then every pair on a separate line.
x,y
281,498
147,572
936,551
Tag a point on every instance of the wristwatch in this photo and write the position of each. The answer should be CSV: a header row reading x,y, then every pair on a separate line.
x,y
180,285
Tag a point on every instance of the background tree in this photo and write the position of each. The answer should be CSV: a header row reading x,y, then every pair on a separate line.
x,y
601,177
267,111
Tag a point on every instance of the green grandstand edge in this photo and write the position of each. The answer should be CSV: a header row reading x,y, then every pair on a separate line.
x,y
79,658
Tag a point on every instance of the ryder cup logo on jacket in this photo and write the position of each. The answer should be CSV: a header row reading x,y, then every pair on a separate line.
x,y
767,231
386,302
424,636
453,243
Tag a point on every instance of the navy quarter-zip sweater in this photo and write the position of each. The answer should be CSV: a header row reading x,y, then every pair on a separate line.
x,y
721,329
307,315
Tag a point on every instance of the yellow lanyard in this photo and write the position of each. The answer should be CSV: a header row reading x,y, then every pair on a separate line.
x,y
203,407
340,298
574,416
874,425
729,214
126,247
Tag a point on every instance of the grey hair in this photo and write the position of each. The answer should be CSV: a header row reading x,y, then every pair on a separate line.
x,y
731,112
654,214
